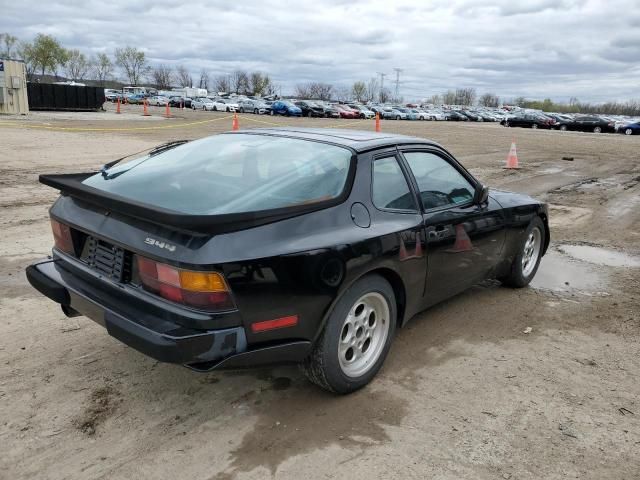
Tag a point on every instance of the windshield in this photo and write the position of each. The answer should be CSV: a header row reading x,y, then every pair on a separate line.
x,y
231,174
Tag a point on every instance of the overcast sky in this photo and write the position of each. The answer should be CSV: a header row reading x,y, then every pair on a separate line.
x,y
535,48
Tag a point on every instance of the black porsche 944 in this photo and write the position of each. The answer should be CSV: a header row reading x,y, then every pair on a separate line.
x,y
268,246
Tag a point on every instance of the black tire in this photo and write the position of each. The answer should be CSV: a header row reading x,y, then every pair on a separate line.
x,y
255,111
309,114
228,110
271,113
397,117
534,126
215,108
241,109
516,277
628,131
597,130
563,128
322,367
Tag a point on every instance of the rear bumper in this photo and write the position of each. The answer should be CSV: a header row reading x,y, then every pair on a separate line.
x,y
162,339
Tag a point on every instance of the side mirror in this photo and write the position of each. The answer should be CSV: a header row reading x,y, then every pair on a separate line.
x,y
481,195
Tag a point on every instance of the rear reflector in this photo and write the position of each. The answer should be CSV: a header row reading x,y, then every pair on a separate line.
x,y
62,237
202,290
290,321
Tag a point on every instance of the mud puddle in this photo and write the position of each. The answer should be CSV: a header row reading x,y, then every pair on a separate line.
x,y
560,273
600,256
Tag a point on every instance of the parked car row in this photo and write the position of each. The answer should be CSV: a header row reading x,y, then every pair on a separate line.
x,y
579,123
353,110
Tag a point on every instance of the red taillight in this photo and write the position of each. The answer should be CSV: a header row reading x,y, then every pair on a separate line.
x,y
62,237
203,290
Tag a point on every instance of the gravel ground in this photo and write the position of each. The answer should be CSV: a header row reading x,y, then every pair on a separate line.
x,y
464,394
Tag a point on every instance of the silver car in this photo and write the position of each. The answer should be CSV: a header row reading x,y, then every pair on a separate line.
x,y
201,103
250,105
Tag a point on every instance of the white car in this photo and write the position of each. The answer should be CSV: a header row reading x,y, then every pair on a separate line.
x,y
224,105
364,111
202,103
436,115
158,101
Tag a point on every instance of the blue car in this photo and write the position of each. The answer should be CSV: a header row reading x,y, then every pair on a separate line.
x,y
631,129
283,107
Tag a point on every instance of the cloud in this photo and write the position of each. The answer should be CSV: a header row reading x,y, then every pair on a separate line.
x,y
535,48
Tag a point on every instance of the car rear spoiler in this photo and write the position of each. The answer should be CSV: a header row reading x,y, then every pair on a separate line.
x,y
71,184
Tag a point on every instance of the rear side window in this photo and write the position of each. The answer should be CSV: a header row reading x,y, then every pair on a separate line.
x,y
232,174
439,182
390,188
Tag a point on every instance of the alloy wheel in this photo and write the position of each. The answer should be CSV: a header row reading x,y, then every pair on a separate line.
x,y
531,251
364,334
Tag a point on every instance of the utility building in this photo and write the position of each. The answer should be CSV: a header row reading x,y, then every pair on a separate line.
x,y
13,87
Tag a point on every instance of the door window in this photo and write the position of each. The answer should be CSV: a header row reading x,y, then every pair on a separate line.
x,y
390,188
440,184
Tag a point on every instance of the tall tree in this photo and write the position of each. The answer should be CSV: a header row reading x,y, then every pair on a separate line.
x,y
435,100
222,84
162,76
204,79
489,100
77,66
373,87
240,82
27,54
102,68
449,97
359,91
133,62
183,76
321,90
8,44
260,84
47,54
385,95
302,90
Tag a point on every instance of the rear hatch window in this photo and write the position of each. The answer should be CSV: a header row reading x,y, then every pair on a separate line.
x,y
232,174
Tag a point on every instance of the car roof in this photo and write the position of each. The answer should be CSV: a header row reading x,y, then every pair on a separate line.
x,y
358,140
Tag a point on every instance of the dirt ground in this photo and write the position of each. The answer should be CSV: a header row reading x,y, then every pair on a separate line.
x,y
464,393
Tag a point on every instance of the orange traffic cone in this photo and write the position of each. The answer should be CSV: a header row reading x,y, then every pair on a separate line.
x,y
378,122
118,105
463,242
418,253
512,159
145,112
167,111
235,125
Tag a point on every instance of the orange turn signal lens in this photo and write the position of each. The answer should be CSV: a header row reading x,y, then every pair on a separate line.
x,y
203,290
202,281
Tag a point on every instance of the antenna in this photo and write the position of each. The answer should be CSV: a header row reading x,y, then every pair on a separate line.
x,y
398,71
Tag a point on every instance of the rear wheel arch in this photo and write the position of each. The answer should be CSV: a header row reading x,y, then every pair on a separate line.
x,y
388,274
547,234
